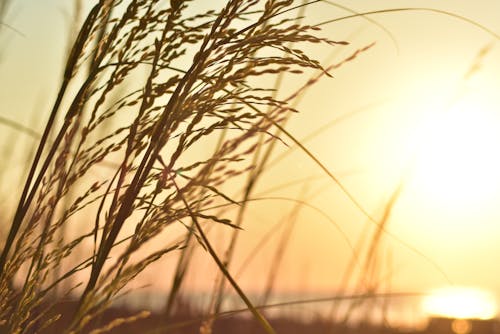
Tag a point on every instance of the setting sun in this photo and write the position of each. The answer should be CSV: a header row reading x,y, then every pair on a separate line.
x,y
456,163
460,303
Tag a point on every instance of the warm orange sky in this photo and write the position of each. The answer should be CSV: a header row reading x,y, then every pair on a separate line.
x,y
402,93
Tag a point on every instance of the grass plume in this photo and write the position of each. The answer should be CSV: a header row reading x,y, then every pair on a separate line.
x,y
145,127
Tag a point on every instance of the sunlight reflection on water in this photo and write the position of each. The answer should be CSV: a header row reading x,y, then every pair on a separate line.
x,y
461,303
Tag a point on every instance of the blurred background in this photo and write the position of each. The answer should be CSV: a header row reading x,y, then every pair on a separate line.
x,y
410,128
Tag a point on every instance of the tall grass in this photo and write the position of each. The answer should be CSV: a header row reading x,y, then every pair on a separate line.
x,y
199,81
123,157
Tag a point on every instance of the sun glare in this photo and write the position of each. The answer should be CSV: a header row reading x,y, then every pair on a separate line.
x,y
460,303
456,160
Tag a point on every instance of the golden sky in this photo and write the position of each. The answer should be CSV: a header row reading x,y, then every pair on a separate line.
x,y
420,108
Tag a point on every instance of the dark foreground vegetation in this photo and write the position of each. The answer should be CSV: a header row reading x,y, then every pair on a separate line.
x,y
189,320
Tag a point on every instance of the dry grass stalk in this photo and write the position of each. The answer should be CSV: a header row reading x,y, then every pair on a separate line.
x,y
147,131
